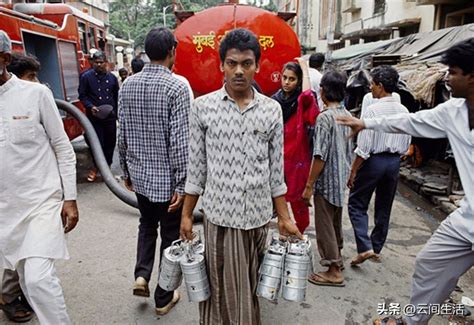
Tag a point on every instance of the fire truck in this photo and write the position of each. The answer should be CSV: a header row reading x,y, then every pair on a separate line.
x,y
61,37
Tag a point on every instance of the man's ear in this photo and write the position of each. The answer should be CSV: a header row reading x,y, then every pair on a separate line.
x,y
7,57
258,68
221,66
471,77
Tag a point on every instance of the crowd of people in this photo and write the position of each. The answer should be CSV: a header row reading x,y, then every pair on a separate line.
x,y
246,156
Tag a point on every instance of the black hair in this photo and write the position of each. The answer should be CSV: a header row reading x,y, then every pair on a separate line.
x,y
137,65
334,85
387,76
21,63
123,70
316,60
295,67
159,42
99,55
242,40
460,55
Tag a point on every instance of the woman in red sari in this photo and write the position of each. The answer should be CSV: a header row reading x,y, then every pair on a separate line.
x,y
300,110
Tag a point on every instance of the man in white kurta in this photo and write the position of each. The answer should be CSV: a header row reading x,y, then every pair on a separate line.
x,y
37,189
450,251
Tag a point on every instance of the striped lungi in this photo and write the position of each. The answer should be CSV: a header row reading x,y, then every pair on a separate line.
x,y
233,257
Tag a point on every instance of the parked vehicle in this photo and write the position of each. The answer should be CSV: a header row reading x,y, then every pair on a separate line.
x,y
61,37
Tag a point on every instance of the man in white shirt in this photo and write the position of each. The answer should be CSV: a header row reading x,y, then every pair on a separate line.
x,y
450,251
316,61
369,100
376,168
37,189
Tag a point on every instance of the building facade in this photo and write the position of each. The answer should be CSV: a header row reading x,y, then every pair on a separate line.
x,y
96,8
333,24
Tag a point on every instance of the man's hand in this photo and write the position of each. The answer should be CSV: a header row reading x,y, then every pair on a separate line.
x,y
301,61
69,215
94,110
176,202
350,181
307,195
128,184
186,228
287,228
354,123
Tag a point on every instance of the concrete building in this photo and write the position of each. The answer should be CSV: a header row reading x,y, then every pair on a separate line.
x,y
335,24
373,20
96,8
449,13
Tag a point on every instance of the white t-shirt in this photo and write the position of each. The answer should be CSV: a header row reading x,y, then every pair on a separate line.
x,y
369,100
315,80
183,79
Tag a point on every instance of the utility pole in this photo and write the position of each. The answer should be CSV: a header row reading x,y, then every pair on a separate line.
x,y
330,31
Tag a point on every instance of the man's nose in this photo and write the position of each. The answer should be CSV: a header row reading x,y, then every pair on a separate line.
x,y
239,69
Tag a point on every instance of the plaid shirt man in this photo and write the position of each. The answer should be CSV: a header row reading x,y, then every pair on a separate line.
x,y
153,135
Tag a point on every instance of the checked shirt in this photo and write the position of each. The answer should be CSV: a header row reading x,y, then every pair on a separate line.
x,y
153,132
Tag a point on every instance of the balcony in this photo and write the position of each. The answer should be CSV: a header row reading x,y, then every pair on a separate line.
x,y
353,26
350,6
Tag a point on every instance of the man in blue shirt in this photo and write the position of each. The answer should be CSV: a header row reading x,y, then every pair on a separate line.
x,y
98,87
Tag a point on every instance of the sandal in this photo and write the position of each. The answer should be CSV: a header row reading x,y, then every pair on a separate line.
x,y
390,320
17,311
321,280
92,175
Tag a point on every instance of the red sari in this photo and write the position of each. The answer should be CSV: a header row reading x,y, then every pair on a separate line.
x,y
297,151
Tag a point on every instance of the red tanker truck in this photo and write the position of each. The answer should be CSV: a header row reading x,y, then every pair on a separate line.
x,y
199,36
60,36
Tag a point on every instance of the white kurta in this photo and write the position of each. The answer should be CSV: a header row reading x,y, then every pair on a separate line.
x,y
37,172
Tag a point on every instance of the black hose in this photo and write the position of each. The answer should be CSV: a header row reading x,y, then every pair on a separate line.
x,y
99,158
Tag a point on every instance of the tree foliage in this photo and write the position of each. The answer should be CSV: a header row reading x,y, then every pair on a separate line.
x,y
132,19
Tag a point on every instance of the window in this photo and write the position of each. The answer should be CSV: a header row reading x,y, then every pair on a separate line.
x,y
379,6
92,37
83,37
101,40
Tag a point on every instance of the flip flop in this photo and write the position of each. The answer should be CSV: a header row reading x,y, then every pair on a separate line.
x,y
361,259
322,281
390,320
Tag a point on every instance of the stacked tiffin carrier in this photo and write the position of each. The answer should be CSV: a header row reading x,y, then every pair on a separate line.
x,y
185,259
285,267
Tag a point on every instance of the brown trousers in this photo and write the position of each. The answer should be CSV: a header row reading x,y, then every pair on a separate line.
x,y
328,223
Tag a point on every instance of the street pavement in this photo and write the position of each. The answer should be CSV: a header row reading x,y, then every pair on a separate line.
x,y
98,279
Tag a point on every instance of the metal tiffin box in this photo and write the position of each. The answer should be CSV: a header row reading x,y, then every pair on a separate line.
x,y
271,269
298,265
170,270
193,266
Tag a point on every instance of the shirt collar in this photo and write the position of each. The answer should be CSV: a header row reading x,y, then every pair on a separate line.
x,y
156,68
9,84
390,99
224,95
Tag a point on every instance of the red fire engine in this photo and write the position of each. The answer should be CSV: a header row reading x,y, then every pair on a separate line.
x,y
61,37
